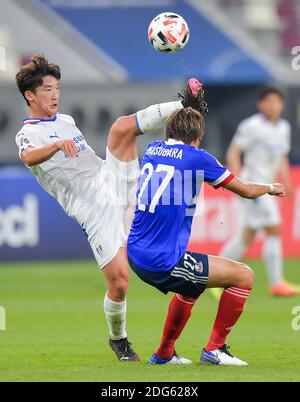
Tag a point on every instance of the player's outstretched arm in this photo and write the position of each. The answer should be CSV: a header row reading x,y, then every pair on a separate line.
x,y
254,190
35,156
234,159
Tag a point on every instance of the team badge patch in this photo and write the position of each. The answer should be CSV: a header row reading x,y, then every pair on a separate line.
x,y
199,268
24,141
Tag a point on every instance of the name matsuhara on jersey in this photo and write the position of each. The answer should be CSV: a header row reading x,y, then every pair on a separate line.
x,y
161,151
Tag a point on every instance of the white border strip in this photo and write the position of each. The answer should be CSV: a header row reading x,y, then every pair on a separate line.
x,y
221,179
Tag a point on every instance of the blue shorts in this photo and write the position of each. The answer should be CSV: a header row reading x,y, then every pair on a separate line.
x,y
189,278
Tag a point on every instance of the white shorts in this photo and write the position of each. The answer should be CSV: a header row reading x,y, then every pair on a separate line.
x,y
261,213
116,191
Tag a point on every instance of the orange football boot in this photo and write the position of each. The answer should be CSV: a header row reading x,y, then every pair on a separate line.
x,y
283,289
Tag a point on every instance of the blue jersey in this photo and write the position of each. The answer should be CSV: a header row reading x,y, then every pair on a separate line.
x,y
170,182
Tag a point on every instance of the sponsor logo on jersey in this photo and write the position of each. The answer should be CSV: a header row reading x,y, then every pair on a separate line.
x,y
54,136
78,139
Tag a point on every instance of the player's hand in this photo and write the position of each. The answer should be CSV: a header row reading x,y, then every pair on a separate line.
x,y
277,189
68,147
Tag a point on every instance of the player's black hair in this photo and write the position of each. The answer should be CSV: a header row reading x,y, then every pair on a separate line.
x,y
31,75
187,125
266,91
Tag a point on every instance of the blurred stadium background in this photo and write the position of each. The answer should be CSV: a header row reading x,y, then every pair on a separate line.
x,y
54,329
109,70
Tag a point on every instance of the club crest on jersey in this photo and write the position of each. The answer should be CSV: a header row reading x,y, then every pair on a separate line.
x,y
24,141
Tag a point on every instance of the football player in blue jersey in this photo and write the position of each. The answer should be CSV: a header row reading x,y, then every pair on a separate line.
x,y
172,172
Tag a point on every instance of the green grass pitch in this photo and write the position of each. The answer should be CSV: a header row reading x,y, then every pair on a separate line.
x,y
56,330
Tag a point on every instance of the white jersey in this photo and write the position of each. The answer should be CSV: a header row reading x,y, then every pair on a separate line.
x,y
94,192
70,181
264,145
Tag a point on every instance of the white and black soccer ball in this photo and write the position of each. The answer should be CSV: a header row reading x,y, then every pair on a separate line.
x,y
168,32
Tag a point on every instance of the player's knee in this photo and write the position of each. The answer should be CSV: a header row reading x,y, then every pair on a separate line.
x,y
119,285
243,276
247,276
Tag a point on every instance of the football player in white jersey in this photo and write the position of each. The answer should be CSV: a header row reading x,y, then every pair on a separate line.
x,y
94,192
264,140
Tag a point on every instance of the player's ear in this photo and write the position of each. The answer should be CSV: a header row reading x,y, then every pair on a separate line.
x,y
29,96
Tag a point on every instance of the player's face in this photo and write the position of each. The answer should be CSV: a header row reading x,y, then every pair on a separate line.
x,y
45,100
272,106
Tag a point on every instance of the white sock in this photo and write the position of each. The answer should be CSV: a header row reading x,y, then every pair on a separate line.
x,y
115,313
234,250
273,259
152,119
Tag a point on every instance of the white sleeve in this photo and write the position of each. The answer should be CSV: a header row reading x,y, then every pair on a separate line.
x,y
68,119
26,139
244,136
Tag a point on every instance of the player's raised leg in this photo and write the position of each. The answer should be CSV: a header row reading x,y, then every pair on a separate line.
x,y
122,136
237,280
122,161
122,154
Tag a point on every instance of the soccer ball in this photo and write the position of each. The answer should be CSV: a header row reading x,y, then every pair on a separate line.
x,y
168,32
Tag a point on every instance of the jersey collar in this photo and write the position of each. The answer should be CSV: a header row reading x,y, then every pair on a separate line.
x,y
35,120
171,141
265,119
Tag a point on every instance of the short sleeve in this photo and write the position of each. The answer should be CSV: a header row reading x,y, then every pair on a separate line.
x,y
25,140
67,119
215,174
244,136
